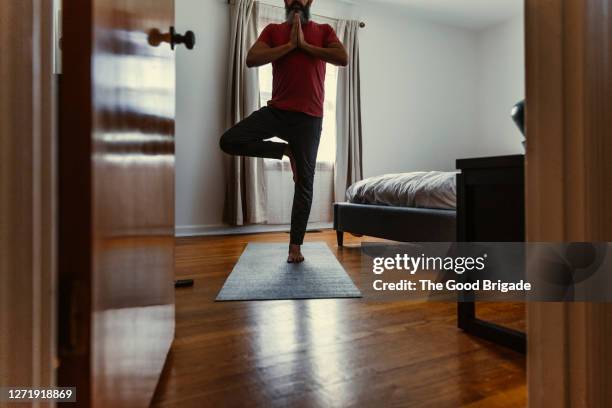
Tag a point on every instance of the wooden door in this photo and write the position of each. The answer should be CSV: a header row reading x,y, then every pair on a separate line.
x,y
569,190
116,205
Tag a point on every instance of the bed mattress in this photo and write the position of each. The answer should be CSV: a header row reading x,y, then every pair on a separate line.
x,y
431,189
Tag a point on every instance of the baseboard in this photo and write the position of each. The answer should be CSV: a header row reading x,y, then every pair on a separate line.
x,y
208,230
196,230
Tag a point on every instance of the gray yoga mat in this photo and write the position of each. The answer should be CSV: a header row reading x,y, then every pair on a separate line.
x,y
262,273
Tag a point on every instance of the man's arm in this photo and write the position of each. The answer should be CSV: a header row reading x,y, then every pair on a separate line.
x,y
334,53
262,54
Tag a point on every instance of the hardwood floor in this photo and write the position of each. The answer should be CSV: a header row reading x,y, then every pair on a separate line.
x,y
319,353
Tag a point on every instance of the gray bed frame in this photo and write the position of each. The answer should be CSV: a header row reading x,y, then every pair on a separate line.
x,y
403,224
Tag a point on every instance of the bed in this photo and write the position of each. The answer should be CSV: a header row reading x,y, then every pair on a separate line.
x,y
404,207
488,195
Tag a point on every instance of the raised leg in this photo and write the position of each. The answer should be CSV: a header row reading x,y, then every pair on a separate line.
x,y
247,138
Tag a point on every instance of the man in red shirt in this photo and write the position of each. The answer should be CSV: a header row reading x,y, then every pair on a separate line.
x,y
298,50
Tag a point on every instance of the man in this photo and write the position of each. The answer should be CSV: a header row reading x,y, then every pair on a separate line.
x,y
298,50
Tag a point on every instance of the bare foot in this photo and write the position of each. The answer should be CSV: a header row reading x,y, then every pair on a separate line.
x,y
295,254
289,154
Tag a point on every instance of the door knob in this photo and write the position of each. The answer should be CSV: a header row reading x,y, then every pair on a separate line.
x,y
188,39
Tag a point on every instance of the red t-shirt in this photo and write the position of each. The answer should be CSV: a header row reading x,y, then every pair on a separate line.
x,y
298,79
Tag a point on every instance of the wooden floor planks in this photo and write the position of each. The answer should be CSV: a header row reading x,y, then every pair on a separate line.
x,y
345,352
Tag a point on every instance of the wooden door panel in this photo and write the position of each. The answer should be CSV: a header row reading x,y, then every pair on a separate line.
x,y
117,169
569,174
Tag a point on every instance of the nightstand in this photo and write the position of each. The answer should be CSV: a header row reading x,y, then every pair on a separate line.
x,y
490,208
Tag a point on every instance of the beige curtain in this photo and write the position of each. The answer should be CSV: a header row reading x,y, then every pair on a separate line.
x,y
349,165
245,198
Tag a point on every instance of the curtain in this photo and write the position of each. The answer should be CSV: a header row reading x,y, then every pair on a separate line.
x,y
349,165
245,199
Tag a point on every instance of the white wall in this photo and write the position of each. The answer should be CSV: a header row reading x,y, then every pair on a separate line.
x,y
200,112
501,84
431,93
418,91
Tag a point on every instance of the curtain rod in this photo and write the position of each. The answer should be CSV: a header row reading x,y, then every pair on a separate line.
x,y
361,23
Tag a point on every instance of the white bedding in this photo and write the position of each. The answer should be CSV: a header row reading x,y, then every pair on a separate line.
x,y
433,189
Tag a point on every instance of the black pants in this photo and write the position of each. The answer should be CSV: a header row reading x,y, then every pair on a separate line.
x,y
302,132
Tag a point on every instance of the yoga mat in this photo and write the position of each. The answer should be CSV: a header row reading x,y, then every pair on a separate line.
x,y
262,273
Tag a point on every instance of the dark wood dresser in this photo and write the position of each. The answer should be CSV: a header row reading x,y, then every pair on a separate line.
x,y
490,208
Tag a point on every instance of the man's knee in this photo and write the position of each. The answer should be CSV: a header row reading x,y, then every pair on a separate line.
x,y
225,142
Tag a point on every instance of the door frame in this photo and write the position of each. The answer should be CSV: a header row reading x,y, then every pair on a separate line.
x,y
28,189
568,198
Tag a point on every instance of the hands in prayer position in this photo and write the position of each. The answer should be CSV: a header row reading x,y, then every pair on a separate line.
x,y
261,53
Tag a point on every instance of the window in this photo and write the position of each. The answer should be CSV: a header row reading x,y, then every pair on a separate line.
x,y
327,145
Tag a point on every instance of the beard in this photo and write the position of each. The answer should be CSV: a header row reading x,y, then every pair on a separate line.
x,y
297,8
